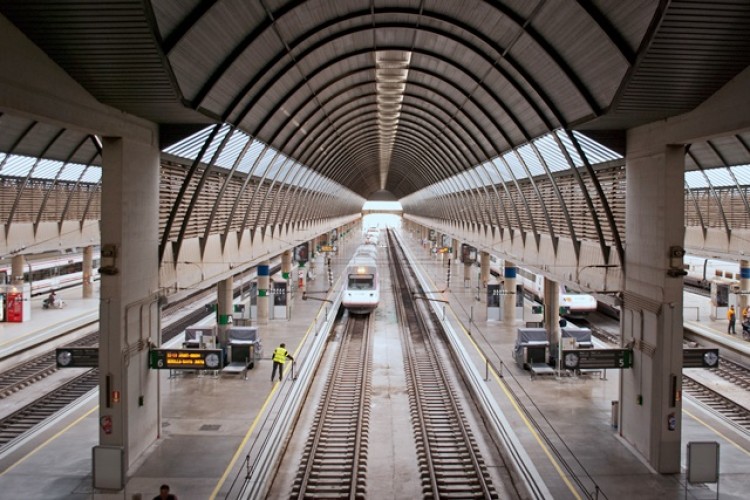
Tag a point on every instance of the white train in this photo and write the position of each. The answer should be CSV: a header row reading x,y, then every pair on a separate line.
x,y
362,292
372,236
579,304
51,272
701,271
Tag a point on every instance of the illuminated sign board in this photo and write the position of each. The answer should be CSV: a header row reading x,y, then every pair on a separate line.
x,y
592,359
185,359
77,357
327,248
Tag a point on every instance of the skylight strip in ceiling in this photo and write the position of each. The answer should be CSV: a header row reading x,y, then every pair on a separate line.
x,y
72,172
250,156
18,166
93,175
232,150
47,169
695,180
391,74
742,172
214,146
719,177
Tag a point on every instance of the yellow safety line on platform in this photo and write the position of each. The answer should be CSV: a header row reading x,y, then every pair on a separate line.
x,y
713,429
48,441
512,400
249,432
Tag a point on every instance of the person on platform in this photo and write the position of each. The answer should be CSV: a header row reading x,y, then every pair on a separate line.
x,y
51,300
280,355
164,493
732,317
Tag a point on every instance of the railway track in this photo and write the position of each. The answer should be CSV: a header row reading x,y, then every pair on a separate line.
x,y
34,370
734,373
334,462
717,402
22,421
450,463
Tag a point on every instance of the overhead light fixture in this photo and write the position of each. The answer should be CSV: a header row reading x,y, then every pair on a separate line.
x,y
391,74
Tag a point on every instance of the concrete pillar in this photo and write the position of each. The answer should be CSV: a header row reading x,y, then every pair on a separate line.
x,y
313,254
286,264
224,307
509,299
651,317
263,282
129,310
552,317
467,274
456,250
484,261
744,284
88,272
17,266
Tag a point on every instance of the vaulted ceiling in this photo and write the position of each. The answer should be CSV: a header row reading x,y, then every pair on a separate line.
x,y
394,95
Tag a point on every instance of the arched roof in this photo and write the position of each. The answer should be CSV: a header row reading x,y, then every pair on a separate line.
x,y
395,96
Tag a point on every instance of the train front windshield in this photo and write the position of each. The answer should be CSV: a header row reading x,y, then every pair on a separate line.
x,y
361,281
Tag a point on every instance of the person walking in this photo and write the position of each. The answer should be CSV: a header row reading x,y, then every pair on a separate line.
x,y
280,355
164,493
732,317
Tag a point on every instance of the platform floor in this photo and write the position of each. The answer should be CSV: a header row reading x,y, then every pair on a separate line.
x,y
210,422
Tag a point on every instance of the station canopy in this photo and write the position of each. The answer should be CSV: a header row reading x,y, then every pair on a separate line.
x,y
395,96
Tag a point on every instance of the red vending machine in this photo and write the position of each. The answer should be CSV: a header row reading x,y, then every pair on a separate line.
x,y
14,307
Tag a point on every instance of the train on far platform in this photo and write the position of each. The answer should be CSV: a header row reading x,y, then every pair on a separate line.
x,y
701,271
578,304
49,272
362,292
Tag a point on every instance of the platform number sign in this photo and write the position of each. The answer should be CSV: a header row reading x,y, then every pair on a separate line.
x,y
185,359
77,357
591,359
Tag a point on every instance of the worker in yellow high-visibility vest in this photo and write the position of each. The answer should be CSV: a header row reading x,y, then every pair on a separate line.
x,y
280,354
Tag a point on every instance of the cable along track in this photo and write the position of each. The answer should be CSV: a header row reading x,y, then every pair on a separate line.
x,y
334,462
450,462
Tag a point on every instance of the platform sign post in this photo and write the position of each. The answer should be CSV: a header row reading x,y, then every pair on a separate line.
x,y
77,357
597,359
185,359
699,357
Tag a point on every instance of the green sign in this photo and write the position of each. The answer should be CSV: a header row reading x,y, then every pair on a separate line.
x,y
592,359
185,359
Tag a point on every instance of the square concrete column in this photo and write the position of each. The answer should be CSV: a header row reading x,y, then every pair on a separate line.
x,y
129,309
651,316
224,307
509,286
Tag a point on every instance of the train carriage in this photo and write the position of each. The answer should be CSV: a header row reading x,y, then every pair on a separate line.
x,y
362,292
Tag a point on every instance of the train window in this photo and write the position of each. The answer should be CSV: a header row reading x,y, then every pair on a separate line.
x,y
718,274
360,281
729,275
